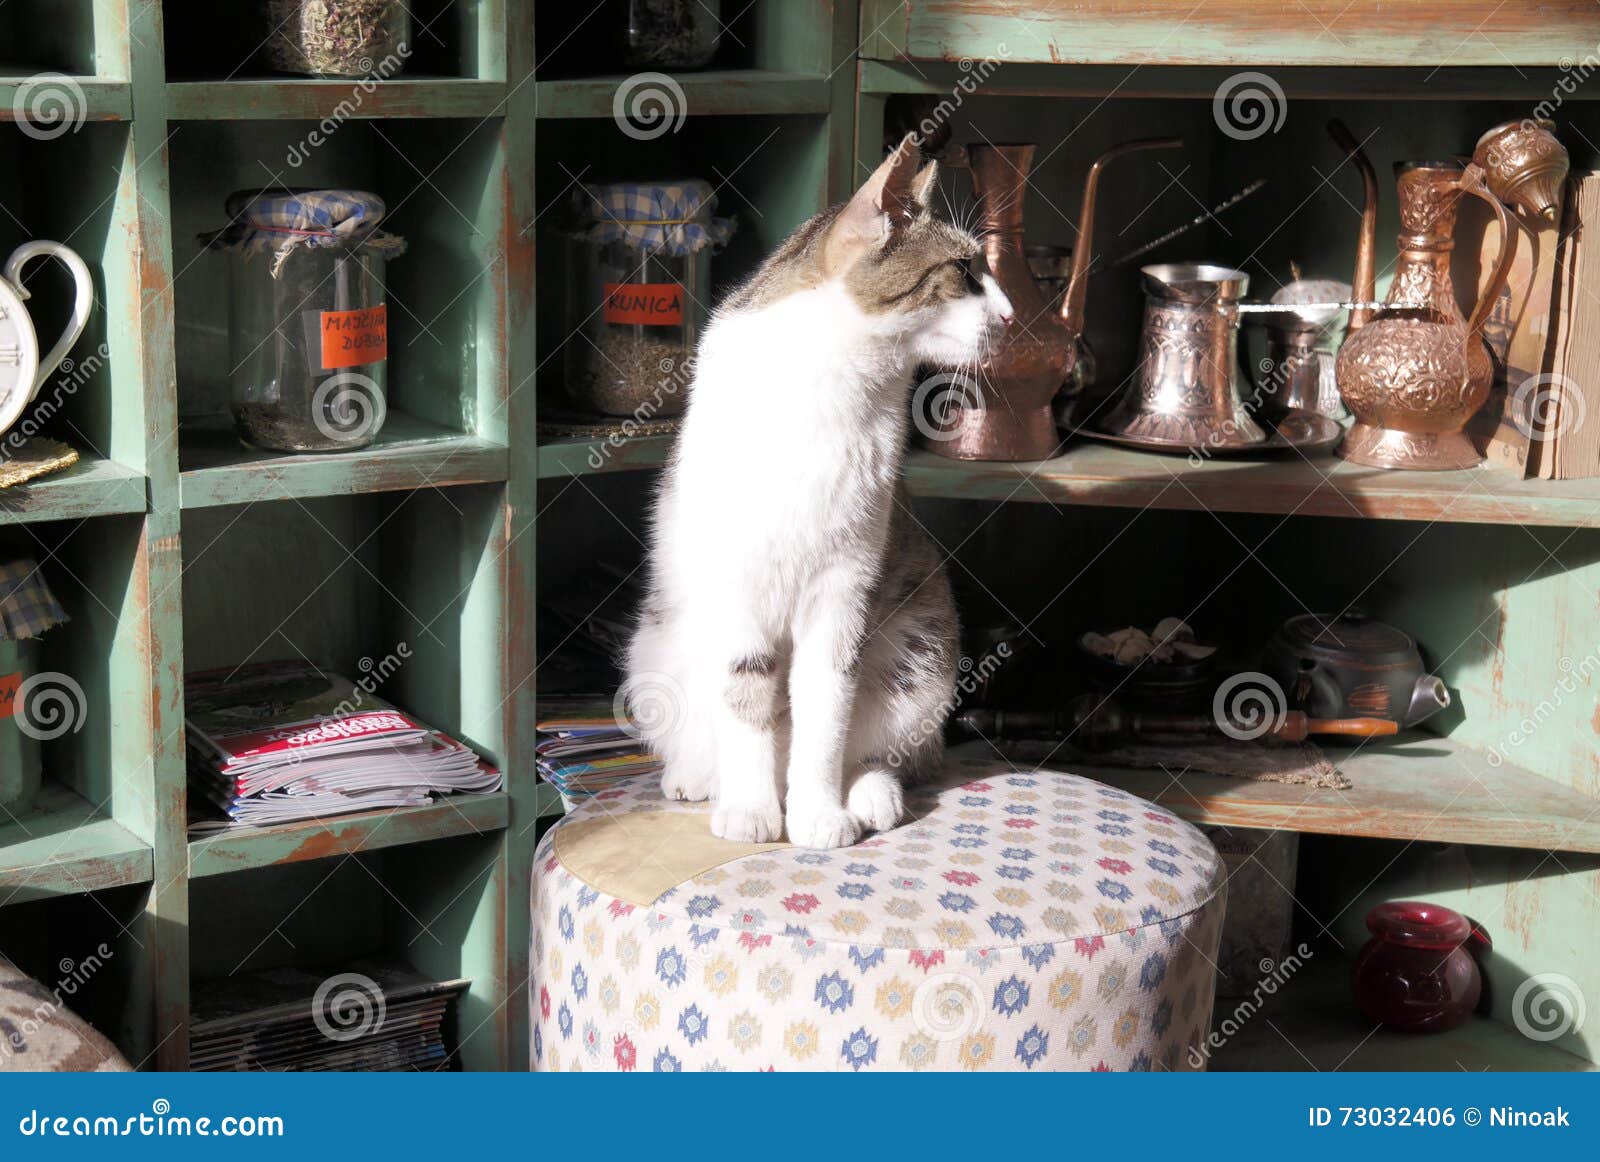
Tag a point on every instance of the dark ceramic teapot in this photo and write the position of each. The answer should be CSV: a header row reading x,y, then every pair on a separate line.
x,y
1351,667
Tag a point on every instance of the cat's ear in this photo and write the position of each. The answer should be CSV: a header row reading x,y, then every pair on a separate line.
x,y
885,203
923,185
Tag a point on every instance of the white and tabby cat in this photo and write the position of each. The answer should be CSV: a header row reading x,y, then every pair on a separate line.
x,y
797,609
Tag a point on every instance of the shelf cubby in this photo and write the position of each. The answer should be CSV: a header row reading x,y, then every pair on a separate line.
x,y
450,39
442,293
436,908
95,822
93,951
66,846
78,38
352,597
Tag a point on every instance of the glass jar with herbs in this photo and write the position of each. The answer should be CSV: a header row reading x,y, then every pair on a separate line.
x,y
309,327
672,34
640,294
339,38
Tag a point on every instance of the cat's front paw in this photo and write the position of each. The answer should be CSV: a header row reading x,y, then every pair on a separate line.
x,y
747,822
876,800
822,827
688,784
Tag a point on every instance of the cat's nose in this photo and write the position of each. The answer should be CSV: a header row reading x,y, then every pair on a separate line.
x,y
997,299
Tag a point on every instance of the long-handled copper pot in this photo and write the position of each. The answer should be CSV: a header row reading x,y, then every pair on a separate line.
x,y
1006,415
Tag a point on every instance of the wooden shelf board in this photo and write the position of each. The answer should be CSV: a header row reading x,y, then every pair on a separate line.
x,y
1311,1023
1419,787
589,457
67,846
1100,474
103,99
257,847
291,98
1248,34
712,94
1200,82
91,487
409,453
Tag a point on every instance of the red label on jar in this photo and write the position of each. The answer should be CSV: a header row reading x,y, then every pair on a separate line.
x,y
351,338
651,304
9,685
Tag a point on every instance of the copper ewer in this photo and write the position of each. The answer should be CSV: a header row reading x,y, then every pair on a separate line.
x,y
1414,377
1008,415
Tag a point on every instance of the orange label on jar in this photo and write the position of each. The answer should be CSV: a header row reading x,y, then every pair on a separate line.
x,y
9,685
651,304
351,338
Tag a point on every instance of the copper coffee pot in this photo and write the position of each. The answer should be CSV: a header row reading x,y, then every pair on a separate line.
x,y
1414,377
1007,415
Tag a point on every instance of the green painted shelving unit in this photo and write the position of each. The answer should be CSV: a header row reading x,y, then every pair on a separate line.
x,y
175,548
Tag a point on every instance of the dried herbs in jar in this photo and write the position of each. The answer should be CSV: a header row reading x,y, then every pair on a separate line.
x,y
640,270
339,38
672,34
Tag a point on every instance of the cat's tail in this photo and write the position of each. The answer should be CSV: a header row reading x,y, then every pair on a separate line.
x,y
669,712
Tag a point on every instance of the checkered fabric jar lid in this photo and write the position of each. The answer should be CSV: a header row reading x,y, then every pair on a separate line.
x,y
674,218
27,607
280,222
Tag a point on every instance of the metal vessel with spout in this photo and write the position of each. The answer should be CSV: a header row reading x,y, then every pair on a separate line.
x,y
1006,415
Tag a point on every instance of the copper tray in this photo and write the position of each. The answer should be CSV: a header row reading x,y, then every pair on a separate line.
x,y
1298,431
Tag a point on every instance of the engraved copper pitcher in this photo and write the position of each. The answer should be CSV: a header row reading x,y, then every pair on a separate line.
x,y
1007,415
1414,377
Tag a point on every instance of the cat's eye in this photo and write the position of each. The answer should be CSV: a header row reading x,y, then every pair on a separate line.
x,y
971,273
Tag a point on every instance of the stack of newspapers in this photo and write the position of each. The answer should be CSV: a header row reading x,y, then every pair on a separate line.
x,y
361,1017
276,742
585,748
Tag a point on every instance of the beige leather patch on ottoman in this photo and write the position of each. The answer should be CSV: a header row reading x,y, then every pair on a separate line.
x,y
637,856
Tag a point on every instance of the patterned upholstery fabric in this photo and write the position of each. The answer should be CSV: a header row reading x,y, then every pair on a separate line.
x,y
38,1035
1022,921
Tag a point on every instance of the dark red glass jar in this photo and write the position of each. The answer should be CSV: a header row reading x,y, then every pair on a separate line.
x,y
1417,974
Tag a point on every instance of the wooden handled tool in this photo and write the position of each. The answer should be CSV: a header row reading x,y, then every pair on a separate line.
x,y
1095,723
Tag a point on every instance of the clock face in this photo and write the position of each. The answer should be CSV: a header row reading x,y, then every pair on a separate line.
x,y
19,357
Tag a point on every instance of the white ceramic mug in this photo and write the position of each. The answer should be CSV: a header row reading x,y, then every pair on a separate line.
x,y
24,373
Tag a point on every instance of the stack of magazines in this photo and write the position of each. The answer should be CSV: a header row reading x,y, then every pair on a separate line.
x,y
280,741
584,748
364,1017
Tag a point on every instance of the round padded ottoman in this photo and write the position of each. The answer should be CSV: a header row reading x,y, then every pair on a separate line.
x,y
1018,921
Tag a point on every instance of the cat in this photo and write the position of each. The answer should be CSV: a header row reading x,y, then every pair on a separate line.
x,y
798,632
